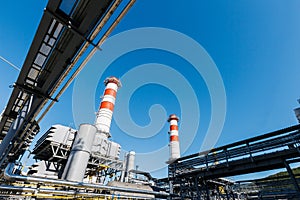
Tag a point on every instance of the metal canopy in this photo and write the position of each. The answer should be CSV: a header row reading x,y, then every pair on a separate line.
x,y
63,34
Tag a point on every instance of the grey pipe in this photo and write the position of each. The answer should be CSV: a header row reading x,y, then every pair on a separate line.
x,y
63,192
14,188
8,175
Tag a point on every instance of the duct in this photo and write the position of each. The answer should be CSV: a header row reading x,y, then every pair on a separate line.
x,y
8,175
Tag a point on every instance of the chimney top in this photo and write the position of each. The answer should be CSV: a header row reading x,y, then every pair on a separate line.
x,y
173,117
112,79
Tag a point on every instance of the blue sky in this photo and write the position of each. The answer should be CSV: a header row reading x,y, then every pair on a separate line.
x,y
254,44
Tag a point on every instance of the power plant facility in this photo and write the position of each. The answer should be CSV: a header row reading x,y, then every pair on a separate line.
x,y
85,162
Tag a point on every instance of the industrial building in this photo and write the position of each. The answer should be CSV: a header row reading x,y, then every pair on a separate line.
x,y
86,163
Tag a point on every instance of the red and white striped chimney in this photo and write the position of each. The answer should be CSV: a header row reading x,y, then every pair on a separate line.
x,y
174,141
105,112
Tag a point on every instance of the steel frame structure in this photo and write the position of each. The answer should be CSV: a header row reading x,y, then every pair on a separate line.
x,y
65,39
55,153
189,176
267,188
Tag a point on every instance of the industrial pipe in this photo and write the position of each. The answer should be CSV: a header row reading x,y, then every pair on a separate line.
x,y
8,175
37,191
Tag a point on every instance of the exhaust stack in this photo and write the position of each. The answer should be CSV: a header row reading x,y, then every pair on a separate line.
x,y
174,140
90,135
105,112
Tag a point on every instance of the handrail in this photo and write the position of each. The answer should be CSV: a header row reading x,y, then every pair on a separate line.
x,y
284,138
260,137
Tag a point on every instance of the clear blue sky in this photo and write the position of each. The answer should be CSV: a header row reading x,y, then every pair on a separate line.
x,y
254,44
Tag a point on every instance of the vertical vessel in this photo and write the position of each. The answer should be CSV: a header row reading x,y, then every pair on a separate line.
x,y
130,162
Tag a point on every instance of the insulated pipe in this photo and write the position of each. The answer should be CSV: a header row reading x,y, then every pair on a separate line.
x,y
8,175
105,112
43,191
174,141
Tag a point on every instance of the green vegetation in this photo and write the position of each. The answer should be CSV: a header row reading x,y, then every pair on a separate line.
x,y
296,172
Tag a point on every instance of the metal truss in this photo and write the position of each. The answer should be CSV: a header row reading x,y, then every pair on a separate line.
x,y
198,176
104,162
62,41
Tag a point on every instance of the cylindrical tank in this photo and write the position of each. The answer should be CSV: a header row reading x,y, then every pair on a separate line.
x,y
174,140
105,112
80,153
130,163
130,160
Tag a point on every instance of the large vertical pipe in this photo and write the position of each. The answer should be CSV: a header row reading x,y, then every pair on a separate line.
x,y
174,140
80,153
105,112
130,163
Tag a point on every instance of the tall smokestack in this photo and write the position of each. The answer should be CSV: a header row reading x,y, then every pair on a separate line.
x,y
174,141
105,112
